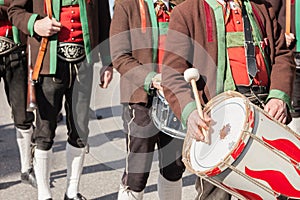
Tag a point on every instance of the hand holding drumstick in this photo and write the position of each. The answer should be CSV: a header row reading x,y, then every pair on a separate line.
x,y
198,122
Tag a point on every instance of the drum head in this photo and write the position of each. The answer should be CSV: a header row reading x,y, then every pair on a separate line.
x,y
228,122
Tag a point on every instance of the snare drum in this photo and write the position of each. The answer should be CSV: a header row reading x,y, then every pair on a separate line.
x,y
251,155
164,118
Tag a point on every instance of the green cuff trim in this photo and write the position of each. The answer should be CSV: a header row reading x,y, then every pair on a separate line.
x,y
148,81
188,109
278,94
30,24
2,2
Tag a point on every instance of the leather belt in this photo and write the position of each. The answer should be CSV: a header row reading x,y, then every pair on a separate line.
x,y
70,52
249,46
6,45
256,94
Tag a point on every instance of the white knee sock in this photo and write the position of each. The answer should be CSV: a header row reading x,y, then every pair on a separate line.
x,y
42,172
126,194
169,189
24,141
75,158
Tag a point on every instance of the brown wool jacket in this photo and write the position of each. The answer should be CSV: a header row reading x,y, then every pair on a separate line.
x,y
129,57
131,50
192,42
23,14
279,7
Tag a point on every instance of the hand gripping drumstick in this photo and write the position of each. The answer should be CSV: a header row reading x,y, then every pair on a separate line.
x,y
191,75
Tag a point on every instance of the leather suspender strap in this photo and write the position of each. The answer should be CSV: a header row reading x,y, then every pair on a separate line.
x,y
43,46
249,46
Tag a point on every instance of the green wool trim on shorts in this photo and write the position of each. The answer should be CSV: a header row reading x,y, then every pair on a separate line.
x,y
219,17
31,23
188,109
154,26
278,94
148,81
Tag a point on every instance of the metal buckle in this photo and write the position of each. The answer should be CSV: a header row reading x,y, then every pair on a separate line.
x,y
70,52
297,59
249,48
6,45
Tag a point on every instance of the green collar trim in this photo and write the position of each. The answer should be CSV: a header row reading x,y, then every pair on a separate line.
x,y
148,81
221,63
297,25
154,26
228,82
30,24
188,109
53,39
2,2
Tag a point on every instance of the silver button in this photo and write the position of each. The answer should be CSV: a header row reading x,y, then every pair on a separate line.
x,y
238,22
72,20
73,39
72,11
236,12
72,29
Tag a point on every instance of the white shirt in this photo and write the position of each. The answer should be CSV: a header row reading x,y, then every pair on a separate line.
x,y
233,5
166,2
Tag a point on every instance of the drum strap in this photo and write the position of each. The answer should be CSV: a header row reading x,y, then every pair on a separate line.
x,y
249,45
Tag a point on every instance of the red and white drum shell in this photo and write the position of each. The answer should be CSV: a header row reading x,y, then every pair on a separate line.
x,y
251,155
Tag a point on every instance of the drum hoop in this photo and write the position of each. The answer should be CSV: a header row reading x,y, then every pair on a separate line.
x,y
162,127
236,150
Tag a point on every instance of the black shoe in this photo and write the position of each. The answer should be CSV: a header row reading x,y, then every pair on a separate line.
x,y
78,197
29,178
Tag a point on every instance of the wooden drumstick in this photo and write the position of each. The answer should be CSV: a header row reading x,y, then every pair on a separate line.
x,y
191,75
288,17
